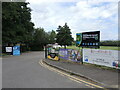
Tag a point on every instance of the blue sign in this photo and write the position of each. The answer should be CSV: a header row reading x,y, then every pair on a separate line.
x,y
16,50
86,60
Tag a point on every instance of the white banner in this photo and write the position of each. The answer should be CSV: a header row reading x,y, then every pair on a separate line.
x,y
8,49
102,57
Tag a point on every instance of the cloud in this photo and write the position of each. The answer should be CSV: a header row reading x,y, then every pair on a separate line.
x,y
81,16
90,1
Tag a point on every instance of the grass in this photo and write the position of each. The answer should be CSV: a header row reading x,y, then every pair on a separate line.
x,y
4,54
73,47
101,47
109,48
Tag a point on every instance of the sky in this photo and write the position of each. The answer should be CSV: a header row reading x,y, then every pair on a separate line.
x,y
80,15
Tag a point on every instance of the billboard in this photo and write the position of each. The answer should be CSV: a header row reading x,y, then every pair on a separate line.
x,y
107,58
88,39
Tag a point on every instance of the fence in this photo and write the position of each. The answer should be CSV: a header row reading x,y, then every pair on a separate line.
x,y
107,58
66,54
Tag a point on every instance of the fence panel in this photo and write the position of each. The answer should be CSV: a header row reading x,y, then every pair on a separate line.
x,y
70,54
102,57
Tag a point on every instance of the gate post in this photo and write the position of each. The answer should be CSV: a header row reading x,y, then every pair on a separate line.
x,y
82,55
45,52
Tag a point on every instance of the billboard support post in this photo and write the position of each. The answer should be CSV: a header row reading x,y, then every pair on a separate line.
x,y
82,55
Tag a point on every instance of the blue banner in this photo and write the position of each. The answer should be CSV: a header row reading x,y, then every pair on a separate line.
x,y
16,50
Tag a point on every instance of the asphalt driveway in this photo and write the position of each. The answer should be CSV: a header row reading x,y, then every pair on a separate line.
x,y
25,72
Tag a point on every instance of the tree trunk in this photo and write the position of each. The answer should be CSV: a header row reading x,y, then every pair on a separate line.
x,y
64,46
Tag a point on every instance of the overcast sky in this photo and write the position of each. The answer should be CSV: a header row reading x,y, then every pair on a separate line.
x,y
80,15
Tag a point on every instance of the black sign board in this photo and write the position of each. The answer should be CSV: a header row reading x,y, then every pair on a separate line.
x,y
89,39
53,55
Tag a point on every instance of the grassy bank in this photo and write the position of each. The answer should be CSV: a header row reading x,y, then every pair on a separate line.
x,y
101,47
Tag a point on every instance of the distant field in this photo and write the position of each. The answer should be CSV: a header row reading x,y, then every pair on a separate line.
x,y
101,47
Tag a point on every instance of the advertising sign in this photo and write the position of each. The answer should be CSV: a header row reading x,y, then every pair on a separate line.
x,y
8,49
102,57
63,53
52,53
69,54
88,39
16,50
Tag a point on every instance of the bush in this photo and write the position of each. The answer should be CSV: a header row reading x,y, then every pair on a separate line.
x,y
36,48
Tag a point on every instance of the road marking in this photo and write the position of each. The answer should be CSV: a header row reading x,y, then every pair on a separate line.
x,y
89,86
81,83
72,77
75,80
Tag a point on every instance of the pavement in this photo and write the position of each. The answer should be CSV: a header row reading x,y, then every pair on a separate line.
x,y
108,78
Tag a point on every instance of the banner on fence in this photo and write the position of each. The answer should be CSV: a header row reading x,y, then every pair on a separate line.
x,y
69,54
102,57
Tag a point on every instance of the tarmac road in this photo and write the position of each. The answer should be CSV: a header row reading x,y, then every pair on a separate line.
x,y
25,72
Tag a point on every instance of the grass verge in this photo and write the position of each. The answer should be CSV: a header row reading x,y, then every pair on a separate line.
x,y
101,47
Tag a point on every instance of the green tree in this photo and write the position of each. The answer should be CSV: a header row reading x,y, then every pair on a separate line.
x,y
52,37
40,39
110,43
16,23
64,36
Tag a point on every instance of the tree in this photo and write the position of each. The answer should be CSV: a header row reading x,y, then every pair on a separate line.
x,y
52,35
40,39
64,36
16,23
110,43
